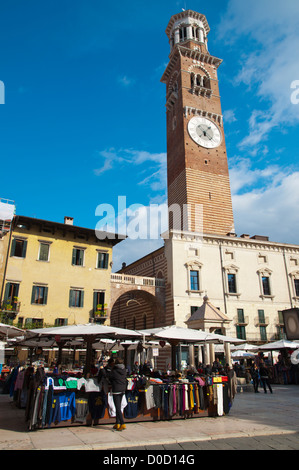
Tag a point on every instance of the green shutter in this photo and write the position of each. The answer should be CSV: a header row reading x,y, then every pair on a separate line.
x,y
33,294
74,256
71,300
45,296
81,257
6,293
13,247
95,300
106,260
24,249
82,298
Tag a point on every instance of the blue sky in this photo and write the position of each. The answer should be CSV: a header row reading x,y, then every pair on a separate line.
x,y
84,115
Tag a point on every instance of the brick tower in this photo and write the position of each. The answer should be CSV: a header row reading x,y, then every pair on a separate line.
x,y
197,168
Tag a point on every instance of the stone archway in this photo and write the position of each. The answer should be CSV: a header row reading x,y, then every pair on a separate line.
x,y
137,310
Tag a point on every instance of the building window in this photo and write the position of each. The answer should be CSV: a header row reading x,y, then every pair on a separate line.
x,y
261,315
61,322
241,333
102,261
18,248
11,296
193,309
78,257
264,280
266,285
44,251
240,313
34,323
39,295
194,280
230,279
263,333
76,298
232,285
296,286
99,301
183,33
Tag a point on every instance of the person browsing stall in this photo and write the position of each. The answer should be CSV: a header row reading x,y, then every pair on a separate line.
x,y
118,380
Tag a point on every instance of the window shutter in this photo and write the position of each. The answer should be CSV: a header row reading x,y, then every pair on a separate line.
x,y
81,257
24,249
82,298
74,256
45,296
106,258
13,247
7,289
65,322
33,294
17,287
71,300
95,301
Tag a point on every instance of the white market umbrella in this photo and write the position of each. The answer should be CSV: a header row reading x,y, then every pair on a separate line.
x,y
281,344
242,355
176,333
244,347
9,331
83,331
90,332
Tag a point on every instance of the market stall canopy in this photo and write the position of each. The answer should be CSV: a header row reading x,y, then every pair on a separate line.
x,y
224,339
245,347
242,355
282,344
89,330
177,333
9,331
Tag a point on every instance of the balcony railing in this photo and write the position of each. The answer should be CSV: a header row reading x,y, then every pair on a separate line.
x,y
258,321
137,280
241,320
10,307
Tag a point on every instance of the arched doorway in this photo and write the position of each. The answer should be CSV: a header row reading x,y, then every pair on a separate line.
x,y
137,310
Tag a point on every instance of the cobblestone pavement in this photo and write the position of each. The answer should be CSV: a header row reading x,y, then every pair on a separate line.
x,y
256,421
274,442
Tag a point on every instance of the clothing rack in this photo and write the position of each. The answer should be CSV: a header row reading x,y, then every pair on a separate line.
x,y
52,400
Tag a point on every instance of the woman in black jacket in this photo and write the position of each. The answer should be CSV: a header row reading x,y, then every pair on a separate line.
x,y
118,380
264,375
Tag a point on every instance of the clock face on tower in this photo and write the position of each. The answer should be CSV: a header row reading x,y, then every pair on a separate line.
x,y
204,132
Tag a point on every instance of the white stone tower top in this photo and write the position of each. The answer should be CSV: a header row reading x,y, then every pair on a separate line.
x,y
187,26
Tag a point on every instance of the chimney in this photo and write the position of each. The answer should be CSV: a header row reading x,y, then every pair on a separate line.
x,y
69,220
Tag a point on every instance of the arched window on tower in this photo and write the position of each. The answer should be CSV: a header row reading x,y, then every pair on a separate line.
x,y
183,33
206,82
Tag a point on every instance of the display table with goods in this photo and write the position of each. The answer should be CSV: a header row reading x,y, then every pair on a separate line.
x,y
69,399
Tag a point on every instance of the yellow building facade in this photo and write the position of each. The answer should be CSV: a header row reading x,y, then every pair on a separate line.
x,y
57,274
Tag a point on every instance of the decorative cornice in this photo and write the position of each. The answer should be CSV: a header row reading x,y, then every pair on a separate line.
x,y
179,50
187,13
188,110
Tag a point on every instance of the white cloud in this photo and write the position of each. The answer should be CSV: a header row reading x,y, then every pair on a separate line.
x,y
265,200
153,175
126,81
229,116
272,66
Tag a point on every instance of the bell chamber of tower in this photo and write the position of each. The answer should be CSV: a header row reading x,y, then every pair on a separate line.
x,y
197,168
